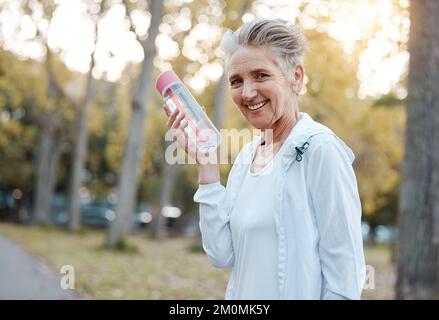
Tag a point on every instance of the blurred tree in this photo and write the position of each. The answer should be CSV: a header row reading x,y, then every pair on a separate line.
x,y
128,181
418,246
377,137
51,119
17,134
41,87
80,143
103,162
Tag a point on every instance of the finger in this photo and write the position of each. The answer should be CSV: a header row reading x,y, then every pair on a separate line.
x,y
166,109
182,139
172,118
183,124
177,121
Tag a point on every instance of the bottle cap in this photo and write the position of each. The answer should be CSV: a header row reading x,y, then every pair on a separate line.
x,y
165,79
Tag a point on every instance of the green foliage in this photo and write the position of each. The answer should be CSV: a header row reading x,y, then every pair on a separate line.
x,y
17,135
378,142
389,100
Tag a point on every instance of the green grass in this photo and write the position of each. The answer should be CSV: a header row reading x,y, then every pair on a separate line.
x,y
149,269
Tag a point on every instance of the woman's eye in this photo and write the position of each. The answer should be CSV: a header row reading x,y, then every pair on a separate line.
x,y
234,83
261,76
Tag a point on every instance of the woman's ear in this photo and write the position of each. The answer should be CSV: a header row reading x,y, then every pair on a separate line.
x,y
299,73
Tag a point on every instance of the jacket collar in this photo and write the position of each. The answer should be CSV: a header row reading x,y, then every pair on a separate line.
x,y
306,128
302,132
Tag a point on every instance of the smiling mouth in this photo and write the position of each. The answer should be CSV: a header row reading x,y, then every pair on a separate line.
x,y
257,106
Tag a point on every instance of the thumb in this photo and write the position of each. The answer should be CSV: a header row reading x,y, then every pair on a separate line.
x,y
166,109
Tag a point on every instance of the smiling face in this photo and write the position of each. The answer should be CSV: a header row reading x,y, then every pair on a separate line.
x,y
265,96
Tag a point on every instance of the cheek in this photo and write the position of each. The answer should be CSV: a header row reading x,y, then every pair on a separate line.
x,y
236,97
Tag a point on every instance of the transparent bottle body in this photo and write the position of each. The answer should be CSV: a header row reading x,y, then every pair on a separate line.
x,y
201,130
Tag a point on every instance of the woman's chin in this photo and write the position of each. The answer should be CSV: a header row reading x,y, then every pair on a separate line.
x,y
258,121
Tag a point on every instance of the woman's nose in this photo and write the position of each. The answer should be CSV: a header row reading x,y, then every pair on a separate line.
x,y
248,91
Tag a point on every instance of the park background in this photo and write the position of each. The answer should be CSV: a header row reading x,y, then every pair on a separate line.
x,y
83,179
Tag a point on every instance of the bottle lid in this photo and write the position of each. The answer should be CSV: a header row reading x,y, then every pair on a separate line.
x,y
165,79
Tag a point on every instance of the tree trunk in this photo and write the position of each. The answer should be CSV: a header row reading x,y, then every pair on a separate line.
x,y
47,168
80,149
79,156
371,242
41,205
418,246
166,190
128,182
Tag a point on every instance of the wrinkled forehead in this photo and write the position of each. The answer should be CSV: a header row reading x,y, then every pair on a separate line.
x,y
246,59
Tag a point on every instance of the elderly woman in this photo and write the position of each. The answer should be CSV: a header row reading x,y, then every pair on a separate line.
x,y
288,222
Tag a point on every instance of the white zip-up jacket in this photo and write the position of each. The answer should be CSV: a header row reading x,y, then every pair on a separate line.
x,y
317,216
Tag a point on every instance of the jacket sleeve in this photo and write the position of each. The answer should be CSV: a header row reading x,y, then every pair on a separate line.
x,y
333,189
216,236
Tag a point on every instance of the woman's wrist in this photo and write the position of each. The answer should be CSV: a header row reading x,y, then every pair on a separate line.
x,y
208,173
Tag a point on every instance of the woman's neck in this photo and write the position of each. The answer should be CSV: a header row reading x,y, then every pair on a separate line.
x,y
282,128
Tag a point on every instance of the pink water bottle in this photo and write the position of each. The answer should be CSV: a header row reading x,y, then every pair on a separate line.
x,y
177,96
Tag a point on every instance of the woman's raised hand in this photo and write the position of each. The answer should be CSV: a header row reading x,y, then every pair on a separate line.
x,y
180,131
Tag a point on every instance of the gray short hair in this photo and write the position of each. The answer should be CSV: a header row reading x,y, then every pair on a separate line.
x,y
287,41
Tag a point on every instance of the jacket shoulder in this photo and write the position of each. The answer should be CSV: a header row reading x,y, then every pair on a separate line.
x,y
327,147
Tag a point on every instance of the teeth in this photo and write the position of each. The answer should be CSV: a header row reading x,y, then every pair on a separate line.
x,y
257,106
